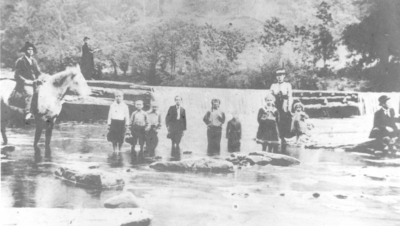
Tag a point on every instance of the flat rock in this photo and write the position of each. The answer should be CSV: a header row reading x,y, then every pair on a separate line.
x,y
383,162
202,164
123,200
76,217
7,148
258,159
91,178
277,159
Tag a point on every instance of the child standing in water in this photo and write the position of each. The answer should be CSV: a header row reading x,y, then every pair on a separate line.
x,y
234,134
299,123
118,121
268,132
138,122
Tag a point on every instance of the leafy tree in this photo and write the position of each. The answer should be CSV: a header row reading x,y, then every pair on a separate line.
x,y
376,40
230,43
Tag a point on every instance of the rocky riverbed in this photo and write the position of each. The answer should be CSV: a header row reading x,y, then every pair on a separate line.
x,y
328,187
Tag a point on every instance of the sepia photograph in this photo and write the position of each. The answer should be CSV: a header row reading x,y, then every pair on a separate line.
x,y
200,112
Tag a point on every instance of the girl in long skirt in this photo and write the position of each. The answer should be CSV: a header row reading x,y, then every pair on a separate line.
x,y
118,121
268,132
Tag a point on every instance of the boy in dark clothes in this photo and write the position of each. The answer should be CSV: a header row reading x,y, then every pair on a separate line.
x,y
234,134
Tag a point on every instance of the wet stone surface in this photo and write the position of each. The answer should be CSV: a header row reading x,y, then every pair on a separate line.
x,y
250,195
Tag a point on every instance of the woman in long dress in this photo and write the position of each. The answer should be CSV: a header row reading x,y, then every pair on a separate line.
x,y
282,92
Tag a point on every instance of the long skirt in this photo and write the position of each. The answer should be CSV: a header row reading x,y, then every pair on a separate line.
x,y
234,141
117,131
214,140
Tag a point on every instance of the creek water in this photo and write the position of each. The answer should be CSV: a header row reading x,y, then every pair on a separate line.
x,y
329,187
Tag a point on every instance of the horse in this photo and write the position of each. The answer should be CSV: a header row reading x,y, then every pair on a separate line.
x,y
50,97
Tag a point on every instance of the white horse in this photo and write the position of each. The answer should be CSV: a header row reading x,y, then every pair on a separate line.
x,y
49,102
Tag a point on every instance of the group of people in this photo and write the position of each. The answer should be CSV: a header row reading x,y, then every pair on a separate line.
x,y
276,122
278,119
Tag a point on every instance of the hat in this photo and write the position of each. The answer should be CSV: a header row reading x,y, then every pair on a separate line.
x,y
280,71
382,99
26,46
85,38
216,99
298,104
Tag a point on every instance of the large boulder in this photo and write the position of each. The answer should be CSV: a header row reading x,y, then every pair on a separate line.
x,y
202,164
91,178
123,200
277,159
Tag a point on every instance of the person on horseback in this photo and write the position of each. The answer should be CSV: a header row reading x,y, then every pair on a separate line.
x,y
27,73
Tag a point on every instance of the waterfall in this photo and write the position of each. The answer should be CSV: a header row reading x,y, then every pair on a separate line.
x,y
198,100
368,102
246,102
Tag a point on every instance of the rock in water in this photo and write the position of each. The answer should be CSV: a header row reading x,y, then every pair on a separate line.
x,y
124,200
212,165
202,164
259,160
7,148
91,178
76,217
277,159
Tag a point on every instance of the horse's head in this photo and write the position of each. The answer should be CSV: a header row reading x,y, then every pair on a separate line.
x,y
79,85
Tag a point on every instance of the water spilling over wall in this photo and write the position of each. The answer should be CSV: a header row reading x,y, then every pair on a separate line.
x,y
368,102
248,102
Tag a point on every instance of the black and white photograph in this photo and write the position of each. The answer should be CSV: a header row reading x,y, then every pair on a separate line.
x,y
200,112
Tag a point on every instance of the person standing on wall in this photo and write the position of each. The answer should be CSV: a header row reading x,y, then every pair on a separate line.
x,y
214,119
282,92
87,60
175,121
27,73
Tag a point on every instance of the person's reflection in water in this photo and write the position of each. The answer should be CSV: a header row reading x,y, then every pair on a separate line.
x,y
37,155
175,154
47,154
115,160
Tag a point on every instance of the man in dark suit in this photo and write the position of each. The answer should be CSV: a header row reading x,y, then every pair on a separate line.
x,y
176,123
385,129
27,73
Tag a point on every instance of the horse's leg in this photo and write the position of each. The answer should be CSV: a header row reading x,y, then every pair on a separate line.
x,y
49,132
3,132
38,132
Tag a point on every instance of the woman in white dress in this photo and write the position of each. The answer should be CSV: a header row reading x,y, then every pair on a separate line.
x,y
283,102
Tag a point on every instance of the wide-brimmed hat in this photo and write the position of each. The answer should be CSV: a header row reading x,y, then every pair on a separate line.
x,y
298,104
86,38
26,46
280,71
382,99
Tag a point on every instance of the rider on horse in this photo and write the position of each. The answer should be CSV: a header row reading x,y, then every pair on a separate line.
x,y
27,73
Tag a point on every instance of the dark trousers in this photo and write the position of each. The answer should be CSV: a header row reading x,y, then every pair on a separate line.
x,y
151,141
138,134
214,140
273,147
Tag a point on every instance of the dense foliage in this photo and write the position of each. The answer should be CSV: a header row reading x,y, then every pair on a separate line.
x,y
214,44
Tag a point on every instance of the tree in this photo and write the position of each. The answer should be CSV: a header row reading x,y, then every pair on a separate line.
x,y
376,40
230,43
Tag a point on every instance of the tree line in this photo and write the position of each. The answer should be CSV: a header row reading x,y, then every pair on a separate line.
x,y
141,43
